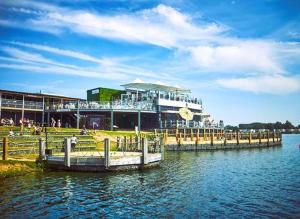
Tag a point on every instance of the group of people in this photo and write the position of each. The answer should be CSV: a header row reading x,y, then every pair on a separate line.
x,y
55,124
7,122
26,123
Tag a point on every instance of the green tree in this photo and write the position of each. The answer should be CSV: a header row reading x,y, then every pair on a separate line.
x,y
288,125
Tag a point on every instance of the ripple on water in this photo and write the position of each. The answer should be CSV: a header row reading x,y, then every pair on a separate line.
x,y
244,183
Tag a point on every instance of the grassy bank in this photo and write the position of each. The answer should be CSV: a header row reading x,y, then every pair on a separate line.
x,y
10,168
5,129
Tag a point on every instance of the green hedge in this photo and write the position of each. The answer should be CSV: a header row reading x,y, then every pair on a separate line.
x,y
107,94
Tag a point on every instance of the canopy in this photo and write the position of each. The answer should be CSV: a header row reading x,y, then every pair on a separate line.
x,y
186,114
154,87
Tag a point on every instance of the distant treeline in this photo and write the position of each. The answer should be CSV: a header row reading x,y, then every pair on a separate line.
x,y
259,125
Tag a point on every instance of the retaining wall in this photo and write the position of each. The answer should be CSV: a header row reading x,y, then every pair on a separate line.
x,y
199,147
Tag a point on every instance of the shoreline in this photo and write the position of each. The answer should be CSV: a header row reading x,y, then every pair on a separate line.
x,y
12,168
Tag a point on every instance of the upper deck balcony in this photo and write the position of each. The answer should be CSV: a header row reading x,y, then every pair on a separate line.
x,y
163,95
24,101
179,101
18,104
133,106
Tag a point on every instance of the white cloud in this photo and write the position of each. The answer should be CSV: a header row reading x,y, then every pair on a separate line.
x,y
38,63
64,71
162,26
29,5
26,11
24,56
167,27
105,68
248,56
204,46
32,25
272,84
63,52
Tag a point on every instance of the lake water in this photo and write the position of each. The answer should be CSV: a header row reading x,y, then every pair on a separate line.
x,y
244,183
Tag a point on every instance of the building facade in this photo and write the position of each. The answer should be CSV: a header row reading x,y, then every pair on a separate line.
x,y
142,105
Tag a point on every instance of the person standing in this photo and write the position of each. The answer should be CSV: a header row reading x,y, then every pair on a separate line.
x,y
11,122
58,124
95,126
53,122
73,142
21,125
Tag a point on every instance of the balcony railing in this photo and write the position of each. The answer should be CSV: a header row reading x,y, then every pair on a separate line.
x,y
115,105
19,104
187,124
181,99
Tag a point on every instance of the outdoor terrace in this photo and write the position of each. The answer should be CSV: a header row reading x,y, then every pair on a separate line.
x,y
18,104
93,105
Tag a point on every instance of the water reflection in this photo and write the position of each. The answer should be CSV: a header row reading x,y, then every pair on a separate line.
x,y
242,183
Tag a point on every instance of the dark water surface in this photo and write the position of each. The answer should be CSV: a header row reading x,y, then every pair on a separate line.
x,y
244,183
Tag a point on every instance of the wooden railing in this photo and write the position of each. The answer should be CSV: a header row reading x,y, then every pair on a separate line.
x,y
212,136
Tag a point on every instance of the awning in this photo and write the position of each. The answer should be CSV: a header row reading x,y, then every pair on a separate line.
x,y
155,87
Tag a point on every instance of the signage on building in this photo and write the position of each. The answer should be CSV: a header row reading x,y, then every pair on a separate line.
x,y
96,91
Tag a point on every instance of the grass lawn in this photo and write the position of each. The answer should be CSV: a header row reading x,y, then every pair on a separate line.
x,y
10,168
105,132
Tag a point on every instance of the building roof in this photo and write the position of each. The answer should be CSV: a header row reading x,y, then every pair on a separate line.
x,y
154,87
37,95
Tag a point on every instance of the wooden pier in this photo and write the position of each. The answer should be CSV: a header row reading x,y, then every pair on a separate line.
x,y
216,139
137,155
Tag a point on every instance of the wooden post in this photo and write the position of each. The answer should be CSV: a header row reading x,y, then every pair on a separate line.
x,y
212,139
162,148
198,135
204,134
176,133
67,152
225,139
130,146
125,144
280,137
118,142
139,142
268,137
192,135
5,148
184,134
259,136
180,139
144,151
106,152
250,137
237,137
230,135
165,138
273,135
42,148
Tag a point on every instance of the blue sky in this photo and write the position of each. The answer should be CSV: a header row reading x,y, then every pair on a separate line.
x,y
241,57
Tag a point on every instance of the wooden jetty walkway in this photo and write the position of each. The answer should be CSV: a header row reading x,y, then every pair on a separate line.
x,y
216,139
131,153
